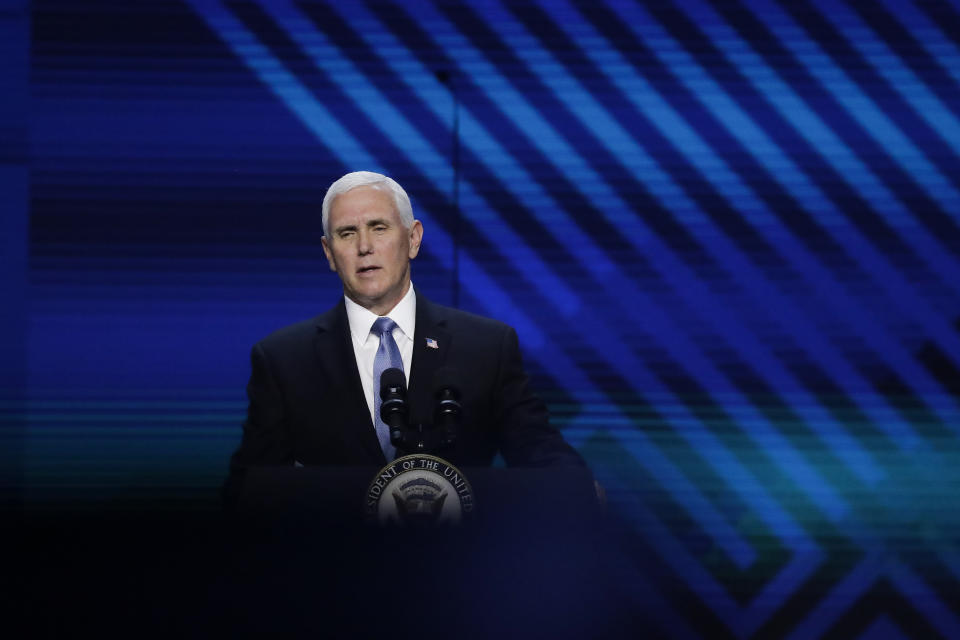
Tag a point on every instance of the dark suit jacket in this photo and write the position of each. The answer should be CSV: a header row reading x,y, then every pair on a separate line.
x,y
307,404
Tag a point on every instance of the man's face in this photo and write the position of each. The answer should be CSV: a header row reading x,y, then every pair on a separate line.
x,y
370,249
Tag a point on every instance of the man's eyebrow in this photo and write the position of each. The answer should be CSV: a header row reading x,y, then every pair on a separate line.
x,y
346,227
376,221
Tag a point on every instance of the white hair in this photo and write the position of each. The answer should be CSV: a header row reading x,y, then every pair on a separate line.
x,y
401,201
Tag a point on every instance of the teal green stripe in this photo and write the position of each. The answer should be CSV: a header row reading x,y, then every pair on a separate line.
x,y
122,417
32,405
139,432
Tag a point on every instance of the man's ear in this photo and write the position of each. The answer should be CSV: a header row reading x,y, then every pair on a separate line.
x,y
416,237
329,253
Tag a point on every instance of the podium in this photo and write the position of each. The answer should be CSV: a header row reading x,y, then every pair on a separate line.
x,y
540,497
529,562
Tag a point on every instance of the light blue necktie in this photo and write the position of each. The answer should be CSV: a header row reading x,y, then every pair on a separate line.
x,y
388,357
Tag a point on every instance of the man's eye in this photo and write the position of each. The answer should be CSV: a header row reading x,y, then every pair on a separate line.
x,y
346,234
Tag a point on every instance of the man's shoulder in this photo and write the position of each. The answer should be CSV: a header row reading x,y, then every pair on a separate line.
x,y
459,316
465,320
294,335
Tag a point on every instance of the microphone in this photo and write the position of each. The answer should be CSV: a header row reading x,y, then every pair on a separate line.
x,y
393,407
447,410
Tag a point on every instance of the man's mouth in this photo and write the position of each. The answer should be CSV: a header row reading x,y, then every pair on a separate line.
x,y
367,269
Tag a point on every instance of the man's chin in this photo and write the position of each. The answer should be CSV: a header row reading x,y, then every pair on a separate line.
x,y
379,301
367,299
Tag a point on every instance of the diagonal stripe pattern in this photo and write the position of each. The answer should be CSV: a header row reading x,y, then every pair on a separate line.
x,y
737,223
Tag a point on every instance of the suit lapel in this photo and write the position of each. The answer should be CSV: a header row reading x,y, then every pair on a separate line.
x,y
334,349
431,343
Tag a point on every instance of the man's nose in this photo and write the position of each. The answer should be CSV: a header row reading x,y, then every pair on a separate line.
x,y
364,243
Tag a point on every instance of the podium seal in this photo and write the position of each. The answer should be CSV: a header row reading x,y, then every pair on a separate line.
x,y
419,490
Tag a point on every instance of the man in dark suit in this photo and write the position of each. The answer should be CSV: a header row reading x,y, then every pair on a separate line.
x,y
314,386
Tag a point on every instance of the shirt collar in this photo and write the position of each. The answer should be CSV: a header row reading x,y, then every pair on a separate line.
x,y
361,320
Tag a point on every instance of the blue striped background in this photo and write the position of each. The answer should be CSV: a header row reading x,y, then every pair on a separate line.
x,y
739,221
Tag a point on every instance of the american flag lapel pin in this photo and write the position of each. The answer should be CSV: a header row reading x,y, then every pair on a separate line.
x,y
432,344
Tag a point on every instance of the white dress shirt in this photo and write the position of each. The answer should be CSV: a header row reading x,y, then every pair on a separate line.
x,y
365,343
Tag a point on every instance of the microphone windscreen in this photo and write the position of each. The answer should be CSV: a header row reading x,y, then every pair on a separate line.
x,y
393,378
